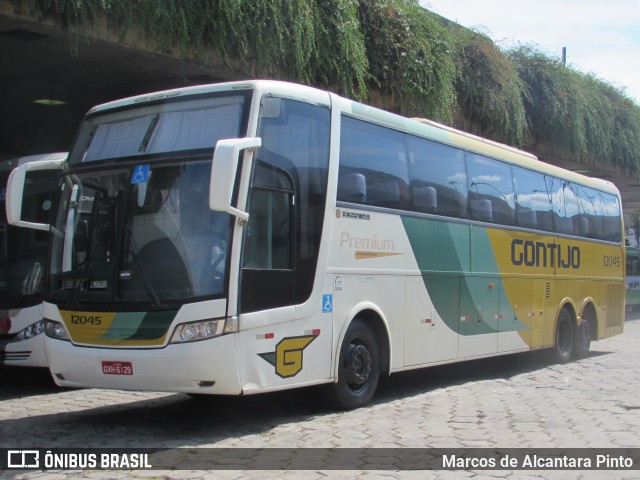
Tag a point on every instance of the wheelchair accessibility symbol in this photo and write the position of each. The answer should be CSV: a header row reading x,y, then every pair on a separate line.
x,y
327,303
140,174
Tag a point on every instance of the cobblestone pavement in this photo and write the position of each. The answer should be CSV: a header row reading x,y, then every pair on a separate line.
x,y
519,401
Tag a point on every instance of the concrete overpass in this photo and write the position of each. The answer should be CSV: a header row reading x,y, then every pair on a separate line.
x,y
48,82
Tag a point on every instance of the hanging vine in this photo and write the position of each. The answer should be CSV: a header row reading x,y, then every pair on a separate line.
x,y
578,114
490,92
427,66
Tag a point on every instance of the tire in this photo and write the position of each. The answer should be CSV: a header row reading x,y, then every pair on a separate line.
x,y
564,339
582,339
358,368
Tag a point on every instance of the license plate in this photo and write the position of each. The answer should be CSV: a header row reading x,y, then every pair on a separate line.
x,y
117,368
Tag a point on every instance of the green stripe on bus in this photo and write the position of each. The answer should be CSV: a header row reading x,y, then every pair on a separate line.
x,y
442,252
154,325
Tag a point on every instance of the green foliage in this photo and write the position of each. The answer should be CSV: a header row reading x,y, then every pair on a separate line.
x,y
578,114
427,66
341,50
490,92
409,53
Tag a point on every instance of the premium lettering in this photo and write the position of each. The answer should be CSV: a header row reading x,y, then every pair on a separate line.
x,y
365,243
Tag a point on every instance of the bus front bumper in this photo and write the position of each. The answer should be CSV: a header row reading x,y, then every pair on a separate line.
x,y
205,367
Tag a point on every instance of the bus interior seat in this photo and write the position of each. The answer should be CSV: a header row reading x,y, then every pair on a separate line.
x,y
482,210
527,218
164,268
352,187
425,199
28,273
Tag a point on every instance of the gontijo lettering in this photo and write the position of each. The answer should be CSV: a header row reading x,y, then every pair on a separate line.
x,y
541,254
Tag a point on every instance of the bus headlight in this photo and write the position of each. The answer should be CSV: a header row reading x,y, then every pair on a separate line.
x,y
32,330
194,331
53,329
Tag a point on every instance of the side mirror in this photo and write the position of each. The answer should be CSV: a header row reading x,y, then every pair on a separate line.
x,y
16,187
223,173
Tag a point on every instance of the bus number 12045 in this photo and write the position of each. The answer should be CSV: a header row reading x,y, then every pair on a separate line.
x,y
610,261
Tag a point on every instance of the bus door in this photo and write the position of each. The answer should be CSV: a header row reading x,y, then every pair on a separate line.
x,y
285,338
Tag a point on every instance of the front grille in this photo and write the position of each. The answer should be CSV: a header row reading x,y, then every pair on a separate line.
x,y
16,356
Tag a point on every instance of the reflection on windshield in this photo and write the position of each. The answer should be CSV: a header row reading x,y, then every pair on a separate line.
x,y
139,234
168,127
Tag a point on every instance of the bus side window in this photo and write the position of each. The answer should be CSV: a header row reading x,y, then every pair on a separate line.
x,y
378,156
611,218
533,203
490,190
269,231
590,217
438,178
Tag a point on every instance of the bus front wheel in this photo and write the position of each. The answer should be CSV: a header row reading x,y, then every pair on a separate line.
x,y
563,346
358,368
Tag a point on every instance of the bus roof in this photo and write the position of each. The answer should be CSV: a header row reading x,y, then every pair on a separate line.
x,y
10,164
416,126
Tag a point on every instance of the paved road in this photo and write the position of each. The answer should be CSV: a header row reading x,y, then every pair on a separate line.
x,y
519,401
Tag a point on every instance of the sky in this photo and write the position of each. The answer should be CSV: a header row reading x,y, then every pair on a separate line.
x,y
602,37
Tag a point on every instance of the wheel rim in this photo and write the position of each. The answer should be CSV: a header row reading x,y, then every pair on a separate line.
x,y
357,366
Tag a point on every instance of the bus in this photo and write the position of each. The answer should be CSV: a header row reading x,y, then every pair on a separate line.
x,y
632,273
256,236
23,254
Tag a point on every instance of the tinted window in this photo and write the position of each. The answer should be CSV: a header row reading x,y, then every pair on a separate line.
x,y
166,127
565,206
591,209
438,178
287,203
534,209
611,214
268,236
491,197
373,165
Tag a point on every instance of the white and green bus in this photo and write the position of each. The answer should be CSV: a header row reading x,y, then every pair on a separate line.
x,y
258,236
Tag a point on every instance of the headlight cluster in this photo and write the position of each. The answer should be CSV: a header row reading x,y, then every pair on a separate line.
x,y
194,331
53,329
32,330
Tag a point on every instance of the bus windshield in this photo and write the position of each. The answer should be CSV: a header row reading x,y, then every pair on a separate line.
x,y
133,224
153,241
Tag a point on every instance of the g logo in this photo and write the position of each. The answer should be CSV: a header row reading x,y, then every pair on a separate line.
x,y
288,355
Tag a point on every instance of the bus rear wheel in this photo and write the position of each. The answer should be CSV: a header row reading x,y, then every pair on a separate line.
x,y
582,340
563,345
358,368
